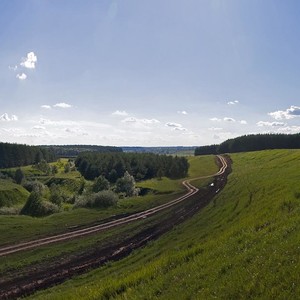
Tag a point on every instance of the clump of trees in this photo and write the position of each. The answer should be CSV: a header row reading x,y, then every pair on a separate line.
x,y
16,155
140,165
36,206
253,142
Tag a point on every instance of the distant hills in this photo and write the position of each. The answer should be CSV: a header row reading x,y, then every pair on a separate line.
x,y
252,142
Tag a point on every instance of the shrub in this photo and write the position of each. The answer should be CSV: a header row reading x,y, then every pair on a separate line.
x,y
36,207
102,199
9,211
34,186
105,199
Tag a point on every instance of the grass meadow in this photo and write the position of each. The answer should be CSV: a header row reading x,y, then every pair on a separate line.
x,y
16,228
243,245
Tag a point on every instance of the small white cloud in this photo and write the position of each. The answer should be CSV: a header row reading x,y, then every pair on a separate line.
x,y
6,118
30,61
13,68
130,120
175,126
215,119
21,76
150,121
140,121
62,105
182,112
122,113
243,122
271,124
233,102
46,106
38,127
215,128
290,113
180,129
226,119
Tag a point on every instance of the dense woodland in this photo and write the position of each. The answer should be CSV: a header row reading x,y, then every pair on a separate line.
x,y
140,165
15,155
253,142
74,150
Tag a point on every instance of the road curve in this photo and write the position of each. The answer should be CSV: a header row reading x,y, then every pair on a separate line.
x,y
191,190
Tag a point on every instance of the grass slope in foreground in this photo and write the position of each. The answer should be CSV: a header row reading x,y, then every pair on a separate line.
x,y
244,245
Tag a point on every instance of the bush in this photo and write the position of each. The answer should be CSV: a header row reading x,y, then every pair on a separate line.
x,y
105,199
34,186
9,211
102,199
35,206
100,184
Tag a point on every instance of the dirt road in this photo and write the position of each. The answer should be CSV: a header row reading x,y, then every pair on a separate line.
x,y
46,275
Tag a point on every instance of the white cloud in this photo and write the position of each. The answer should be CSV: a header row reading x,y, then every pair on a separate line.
x,y
38,127
289,129
182,112
6,118
122,113
13,68
226,119
271,124
175,126
21,76
62,105
141,121
243,122
30,61
46,106
215,119
290,113
233,102
215,128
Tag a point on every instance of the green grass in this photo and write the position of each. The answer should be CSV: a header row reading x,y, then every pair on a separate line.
x,y
22,228
243,245
18,228
12,194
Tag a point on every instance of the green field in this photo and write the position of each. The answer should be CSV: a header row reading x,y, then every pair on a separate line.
x,y
244,245
15,228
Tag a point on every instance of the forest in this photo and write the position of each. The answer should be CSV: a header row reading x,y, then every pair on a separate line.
x,y
252,142
74,150
140,165
15,155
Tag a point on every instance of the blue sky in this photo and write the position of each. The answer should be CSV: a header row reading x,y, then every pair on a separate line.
x,y
148,73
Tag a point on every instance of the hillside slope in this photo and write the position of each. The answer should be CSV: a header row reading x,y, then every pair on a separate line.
x,y
245,244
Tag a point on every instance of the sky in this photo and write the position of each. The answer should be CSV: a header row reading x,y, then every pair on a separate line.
x,y
147,73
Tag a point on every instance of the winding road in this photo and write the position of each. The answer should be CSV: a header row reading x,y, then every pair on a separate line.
x,y
191,190
41,275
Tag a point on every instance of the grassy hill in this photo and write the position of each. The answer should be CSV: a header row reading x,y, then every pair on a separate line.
x,y
244,245
12,194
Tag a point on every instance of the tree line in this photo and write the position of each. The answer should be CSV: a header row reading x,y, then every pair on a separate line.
x,y
253,142
140,165
16,155
74,150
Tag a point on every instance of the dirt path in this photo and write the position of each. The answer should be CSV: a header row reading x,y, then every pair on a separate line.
x,y
42,276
